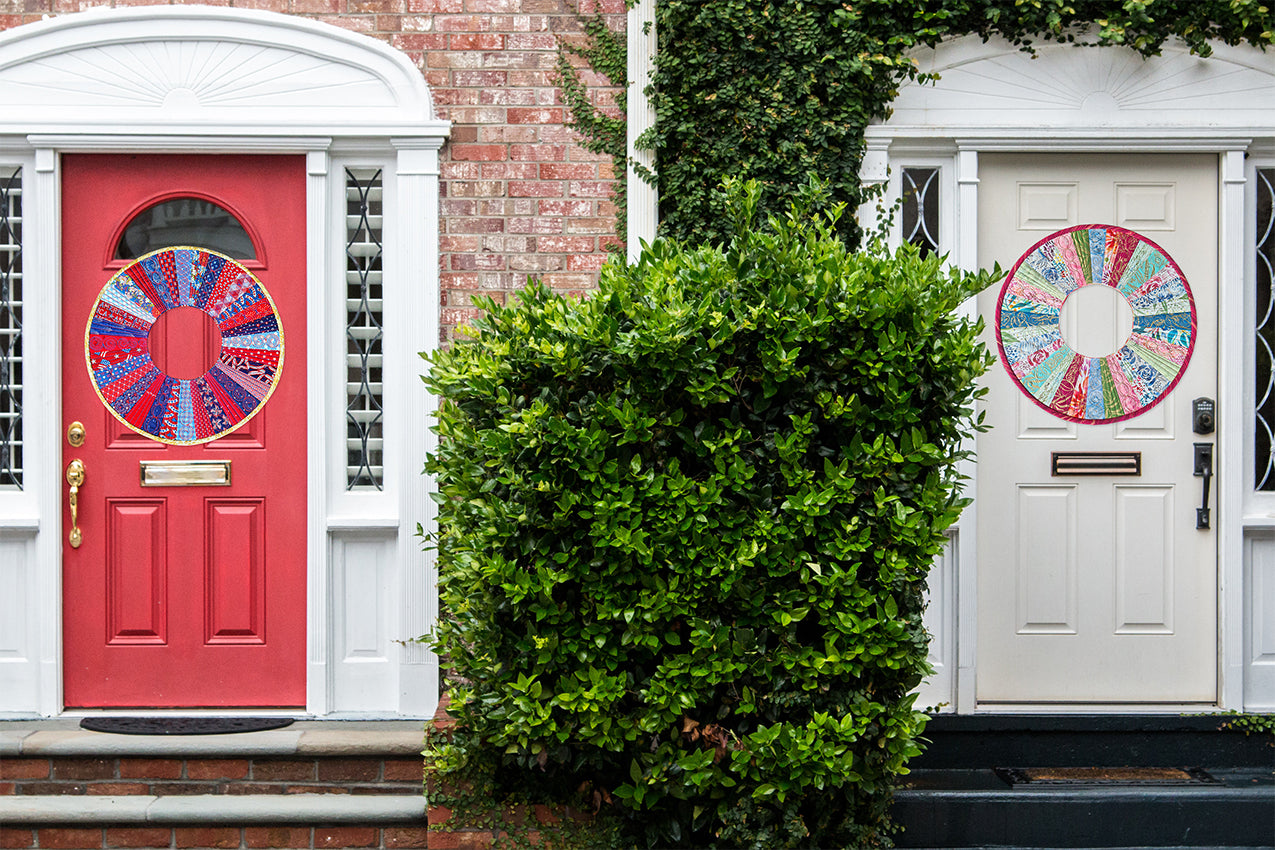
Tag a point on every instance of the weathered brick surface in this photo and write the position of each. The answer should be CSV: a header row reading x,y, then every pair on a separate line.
x,y
11,769
490,65
71,839
277,836
346,836
83,768
206,836
134,768
271,770
13,837
217,768
404,770
133,836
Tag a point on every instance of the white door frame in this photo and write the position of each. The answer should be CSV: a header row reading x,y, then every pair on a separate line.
x,y
992,97
127,80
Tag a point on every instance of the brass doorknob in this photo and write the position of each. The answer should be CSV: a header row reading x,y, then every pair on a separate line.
x,y
75,477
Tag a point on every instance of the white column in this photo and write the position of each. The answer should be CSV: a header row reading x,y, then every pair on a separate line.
x,y
643,198
416,223
965,256
1230,433
874,175
32,517
318,576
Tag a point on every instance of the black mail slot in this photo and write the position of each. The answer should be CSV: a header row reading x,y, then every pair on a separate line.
x,y
1096,463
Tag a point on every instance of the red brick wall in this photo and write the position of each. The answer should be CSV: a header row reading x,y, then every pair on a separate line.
x,y
520,197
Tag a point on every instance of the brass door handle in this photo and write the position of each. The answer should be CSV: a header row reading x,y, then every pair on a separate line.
x,y
75,477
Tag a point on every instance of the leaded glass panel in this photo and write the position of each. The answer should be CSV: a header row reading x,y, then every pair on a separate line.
x,y
364,426
1264,365
920,213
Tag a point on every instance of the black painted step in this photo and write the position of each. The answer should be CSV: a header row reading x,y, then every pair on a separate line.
x,y
957,799
1237,812
1137,740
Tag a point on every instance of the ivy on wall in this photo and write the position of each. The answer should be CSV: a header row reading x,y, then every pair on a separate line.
x,y
775,90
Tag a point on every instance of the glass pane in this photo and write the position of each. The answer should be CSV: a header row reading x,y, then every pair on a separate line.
x,y
364,386
1264,367
10,328
196,222
921,209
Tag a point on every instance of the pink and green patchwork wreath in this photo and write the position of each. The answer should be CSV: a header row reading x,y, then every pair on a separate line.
x,y
1074,386
181,411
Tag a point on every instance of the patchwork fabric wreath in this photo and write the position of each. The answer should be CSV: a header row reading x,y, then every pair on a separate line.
x,y
1073,386
181,411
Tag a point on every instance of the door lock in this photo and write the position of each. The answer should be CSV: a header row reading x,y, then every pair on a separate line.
x,y
1203,416
1203,469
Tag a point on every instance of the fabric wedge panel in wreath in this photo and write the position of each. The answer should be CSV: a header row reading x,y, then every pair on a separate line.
x,y
1074,386
184,411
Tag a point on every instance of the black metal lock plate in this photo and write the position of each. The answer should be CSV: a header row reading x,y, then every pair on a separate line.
x,y
1203,416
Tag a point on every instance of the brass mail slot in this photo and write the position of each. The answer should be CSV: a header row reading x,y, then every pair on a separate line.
x,y
185,473
1097,463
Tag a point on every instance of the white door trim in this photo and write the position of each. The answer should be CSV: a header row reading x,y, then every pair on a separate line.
x,y
1207,109
361,103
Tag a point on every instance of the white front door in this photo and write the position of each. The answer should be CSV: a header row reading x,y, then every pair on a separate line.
x,y
1097,589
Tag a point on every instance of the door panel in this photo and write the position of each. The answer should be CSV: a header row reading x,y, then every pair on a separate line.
x,y
185,595
1096,589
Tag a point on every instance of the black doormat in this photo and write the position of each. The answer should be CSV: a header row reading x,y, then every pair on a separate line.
x,y
182,725
1104,776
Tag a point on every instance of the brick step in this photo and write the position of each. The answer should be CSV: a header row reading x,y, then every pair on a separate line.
x,y
314,784
202,837
198,775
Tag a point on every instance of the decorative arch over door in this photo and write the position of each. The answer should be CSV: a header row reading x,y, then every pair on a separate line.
x,y
992,101
215,81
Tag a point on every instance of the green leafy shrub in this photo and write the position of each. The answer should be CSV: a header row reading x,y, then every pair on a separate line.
x,y
685,531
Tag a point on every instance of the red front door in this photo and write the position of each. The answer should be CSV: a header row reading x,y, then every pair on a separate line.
x,y
185,591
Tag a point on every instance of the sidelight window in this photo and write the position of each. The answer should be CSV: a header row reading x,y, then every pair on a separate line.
x,y
920,212
11,359
1264,348
364,329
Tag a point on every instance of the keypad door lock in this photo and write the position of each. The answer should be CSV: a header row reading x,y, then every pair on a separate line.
x,y
1203,416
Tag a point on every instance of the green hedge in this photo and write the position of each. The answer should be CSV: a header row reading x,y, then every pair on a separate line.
x,y
685,531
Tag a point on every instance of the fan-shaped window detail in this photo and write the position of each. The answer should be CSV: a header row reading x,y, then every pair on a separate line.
x,y
193,222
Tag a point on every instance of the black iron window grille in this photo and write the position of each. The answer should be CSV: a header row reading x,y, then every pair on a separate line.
x,y
11,328
364,331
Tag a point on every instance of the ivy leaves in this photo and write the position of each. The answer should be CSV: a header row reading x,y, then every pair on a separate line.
x,y
773,90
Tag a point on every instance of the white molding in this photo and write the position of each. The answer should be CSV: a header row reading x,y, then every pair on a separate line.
x,y
210,70
197,140
1061,88
643,198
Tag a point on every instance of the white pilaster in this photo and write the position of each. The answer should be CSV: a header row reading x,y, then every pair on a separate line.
x,y
874,176
1230,436
416,223
643,198
965,256
318,638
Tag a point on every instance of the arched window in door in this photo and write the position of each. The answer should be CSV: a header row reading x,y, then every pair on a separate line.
x,y
191,221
